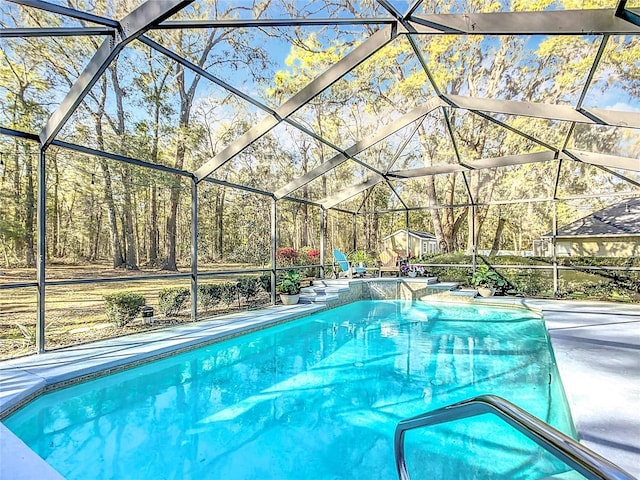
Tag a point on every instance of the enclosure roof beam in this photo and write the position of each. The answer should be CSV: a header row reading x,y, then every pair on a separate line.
x,y
271,22
402,19
565,113
426,171
412,8
583,95
158,167
566,22
389,129
517,131
513,160
575,157
484,163
626,14
18,134
358,55
119,158
631,16
132,26
68,12
347,193
459,205
600,159
202,72
55,32
139,163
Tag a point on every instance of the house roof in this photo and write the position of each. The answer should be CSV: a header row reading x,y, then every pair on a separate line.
x,y
414,233
620,219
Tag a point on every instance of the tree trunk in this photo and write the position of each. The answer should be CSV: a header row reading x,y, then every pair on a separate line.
x,y
154,234
29,217
498,236
96,243
219,221
186,102
116,246
131,261
174,198
172,217
18,241
57,215
127,224
438,230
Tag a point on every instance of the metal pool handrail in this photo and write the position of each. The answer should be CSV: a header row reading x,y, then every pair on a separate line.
x,y
577,456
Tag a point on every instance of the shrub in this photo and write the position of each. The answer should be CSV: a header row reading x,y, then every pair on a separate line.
x,y
363,256
265,282
122,307
249,287
229,293
312,272
287,255
309,256
209,295
171,300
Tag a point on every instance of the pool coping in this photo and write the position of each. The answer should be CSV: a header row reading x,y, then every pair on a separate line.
x,y
27,377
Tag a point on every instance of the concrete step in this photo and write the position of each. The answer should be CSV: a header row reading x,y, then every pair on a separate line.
x,y
464,292
445,285
332,282
330,290
428,280
312,298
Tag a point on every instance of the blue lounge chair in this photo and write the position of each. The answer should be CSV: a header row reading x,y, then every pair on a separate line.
x,y
345,267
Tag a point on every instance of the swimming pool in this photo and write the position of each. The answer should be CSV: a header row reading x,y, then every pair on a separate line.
x,y
317,398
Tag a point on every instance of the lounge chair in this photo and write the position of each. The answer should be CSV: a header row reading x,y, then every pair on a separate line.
x,y
345,269
389,263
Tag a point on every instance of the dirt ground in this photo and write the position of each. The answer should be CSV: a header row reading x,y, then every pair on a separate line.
x,y
75,313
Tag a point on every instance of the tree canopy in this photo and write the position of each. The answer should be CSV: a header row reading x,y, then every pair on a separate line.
x,y
469,117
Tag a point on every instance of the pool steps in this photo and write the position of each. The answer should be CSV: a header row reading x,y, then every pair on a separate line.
x,y
322,293
464,292
326,291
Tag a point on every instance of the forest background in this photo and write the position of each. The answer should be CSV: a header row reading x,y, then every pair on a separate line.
x,y
110,218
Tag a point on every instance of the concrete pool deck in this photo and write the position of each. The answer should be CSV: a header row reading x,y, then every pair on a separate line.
x,y
597,348
596,344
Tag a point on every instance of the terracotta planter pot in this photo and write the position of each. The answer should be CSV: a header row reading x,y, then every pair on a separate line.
x,y
289,299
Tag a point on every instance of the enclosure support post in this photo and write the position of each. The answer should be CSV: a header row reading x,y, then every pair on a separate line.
x,y
274,246
553,246
42,249
323,240
474,247
406,225
194,249
355,233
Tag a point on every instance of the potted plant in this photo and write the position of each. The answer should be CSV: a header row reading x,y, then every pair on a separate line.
x,y
289,288
487,281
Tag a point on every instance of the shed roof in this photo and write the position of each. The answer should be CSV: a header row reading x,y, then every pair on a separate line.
x,y
415,233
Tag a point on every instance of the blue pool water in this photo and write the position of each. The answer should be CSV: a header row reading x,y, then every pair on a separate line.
x,y
317,398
